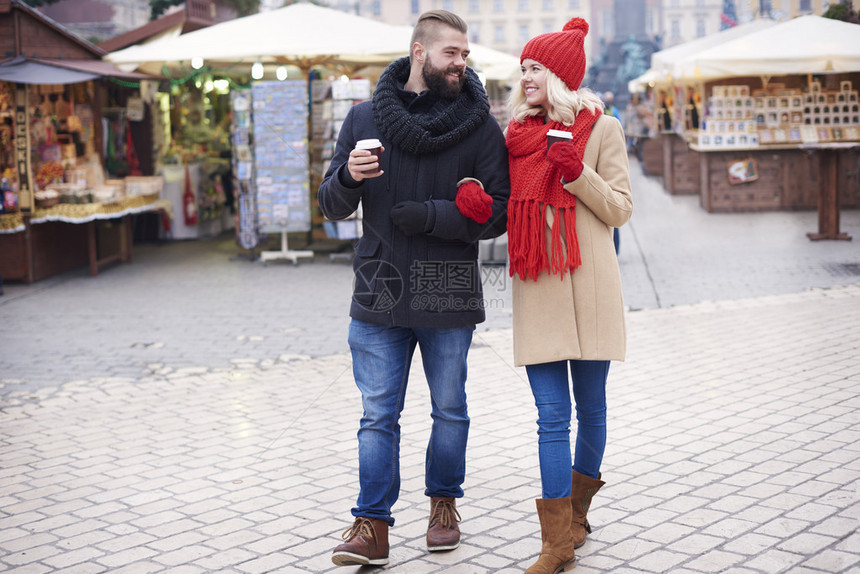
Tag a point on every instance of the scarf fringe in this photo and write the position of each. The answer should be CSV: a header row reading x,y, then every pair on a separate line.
x,y
574,259
535,186
529,257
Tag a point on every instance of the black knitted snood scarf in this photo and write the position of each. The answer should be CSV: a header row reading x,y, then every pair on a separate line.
x,y
448,123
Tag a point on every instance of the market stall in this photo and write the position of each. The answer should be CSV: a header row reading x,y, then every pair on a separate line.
x,y
59,209
786,110
666,152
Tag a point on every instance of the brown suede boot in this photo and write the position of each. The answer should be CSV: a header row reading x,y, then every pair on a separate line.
x,y
442,531
366,544
582,489
556,553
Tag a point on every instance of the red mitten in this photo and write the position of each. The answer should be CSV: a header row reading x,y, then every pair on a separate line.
x,y
472,201
566,159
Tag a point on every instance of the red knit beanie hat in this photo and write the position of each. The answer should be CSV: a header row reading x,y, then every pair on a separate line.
x,y
562,52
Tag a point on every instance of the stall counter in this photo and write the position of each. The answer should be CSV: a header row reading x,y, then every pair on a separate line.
x,y
61,238
814,176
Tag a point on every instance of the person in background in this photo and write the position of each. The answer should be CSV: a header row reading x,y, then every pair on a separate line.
x,y
568,311
609,105
633,124
665,112
443,187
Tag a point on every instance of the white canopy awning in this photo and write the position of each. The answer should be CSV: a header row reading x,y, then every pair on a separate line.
x,y
805,45
668,65
21,70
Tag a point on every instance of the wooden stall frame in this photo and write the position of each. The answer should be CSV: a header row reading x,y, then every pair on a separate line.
x,y
828,194
122,255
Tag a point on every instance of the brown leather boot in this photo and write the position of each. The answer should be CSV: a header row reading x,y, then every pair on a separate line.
x,y
582,490
366,544
556,553
442,531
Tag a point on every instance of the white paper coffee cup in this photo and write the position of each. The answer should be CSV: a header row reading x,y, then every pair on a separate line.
x,y
554,136
374,146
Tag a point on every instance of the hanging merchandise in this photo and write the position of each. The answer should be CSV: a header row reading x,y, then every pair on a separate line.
x,y
114,130
8,198
247,232
131,154
189,203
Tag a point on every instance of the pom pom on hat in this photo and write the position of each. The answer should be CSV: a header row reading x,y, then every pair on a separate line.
x,y
576,24
562,52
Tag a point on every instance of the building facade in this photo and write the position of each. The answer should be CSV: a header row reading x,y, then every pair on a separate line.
x,y
99,19
785,9
505,25
685,20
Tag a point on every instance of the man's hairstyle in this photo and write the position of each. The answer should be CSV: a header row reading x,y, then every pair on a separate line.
x,y
426,30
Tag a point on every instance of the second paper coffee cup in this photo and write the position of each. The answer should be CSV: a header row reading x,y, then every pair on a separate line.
x,y
553,136
374,146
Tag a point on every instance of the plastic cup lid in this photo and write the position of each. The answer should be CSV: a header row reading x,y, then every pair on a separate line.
x,y
559,134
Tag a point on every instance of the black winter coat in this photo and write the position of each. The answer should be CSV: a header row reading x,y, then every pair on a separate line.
x,y
431,279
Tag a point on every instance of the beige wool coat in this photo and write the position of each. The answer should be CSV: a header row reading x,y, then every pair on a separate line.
x,y
580,315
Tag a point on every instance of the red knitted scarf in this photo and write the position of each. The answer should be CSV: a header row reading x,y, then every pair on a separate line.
x,y
535,183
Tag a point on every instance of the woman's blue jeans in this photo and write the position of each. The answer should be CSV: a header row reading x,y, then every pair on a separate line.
x,y
381,357
551,390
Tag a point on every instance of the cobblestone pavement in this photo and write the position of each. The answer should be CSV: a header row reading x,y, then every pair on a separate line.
x,y
193,413
202,303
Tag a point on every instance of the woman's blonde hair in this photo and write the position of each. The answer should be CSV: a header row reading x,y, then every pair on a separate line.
x,y
564,103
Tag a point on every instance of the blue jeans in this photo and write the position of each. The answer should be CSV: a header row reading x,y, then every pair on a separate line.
x,y
381,357
551,391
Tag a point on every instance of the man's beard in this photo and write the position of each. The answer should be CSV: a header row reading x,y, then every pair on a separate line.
x,y
438,83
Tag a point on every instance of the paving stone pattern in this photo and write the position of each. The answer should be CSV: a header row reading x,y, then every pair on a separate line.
x,y
192,413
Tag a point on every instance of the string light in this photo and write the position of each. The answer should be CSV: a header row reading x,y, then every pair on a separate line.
x,y
257,71
175,82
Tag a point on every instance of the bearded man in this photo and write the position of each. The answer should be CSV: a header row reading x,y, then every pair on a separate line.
x,y
436,187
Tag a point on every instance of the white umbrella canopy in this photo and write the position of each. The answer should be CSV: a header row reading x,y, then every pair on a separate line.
x,y
494,64
301,34
668,65
669,62
805,45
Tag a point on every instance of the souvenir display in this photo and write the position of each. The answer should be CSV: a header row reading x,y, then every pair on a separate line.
x,y
779,116
280,120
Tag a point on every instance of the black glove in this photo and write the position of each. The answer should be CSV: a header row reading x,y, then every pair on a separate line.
x,y
410,217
